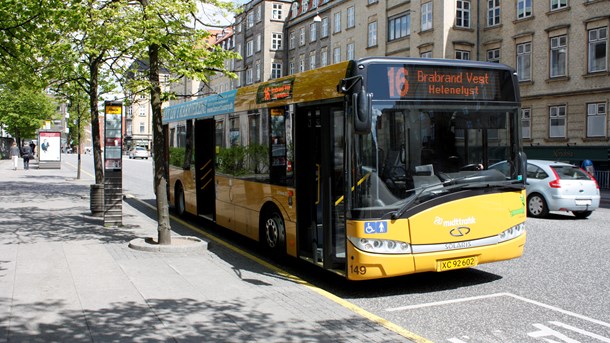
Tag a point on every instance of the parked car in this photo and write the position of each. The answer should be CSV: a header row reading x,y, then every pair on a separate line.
x,y
138,152
557,186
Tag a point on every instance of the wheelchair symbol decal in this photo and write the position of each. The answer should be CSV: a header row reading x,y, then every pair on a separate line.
x,y
375,227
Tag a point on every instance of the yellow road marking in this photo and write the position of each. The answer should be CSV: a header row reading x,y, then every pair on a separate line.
x,y
81,170
350,306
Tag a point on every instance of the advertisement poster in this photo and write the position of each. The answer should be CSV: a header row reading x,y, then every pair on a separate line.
x,y
50,146
113,140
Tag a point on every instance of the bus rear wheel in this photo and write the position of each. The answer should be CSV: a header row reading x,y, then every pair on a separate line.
x,y
179,206
273,232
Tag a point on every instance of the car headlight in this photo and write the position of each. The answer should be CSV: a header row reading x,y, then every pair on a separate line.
x,y
380,246
511,233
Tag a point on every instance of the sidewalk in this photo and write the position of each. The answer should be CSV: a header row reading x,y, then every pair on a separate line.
x,y
64,277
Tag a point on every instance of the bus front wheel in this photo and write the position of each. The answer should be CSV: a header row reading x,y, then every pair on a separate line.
x,y
273,232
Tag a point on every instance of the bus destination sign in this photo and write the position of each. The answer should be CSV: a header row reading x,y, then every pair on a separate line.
x,y
416,82
274,91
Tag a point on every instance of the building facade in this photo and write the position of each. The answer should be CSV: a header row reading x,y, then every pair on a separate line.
x,y
559,49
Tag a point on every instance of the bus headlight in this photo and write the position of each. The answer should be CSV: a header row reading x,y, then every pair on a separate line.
x,y
380,246
511,233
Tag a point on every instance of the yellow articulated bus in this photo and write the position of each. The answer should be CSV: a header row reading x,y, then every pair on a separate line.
x,y
369,168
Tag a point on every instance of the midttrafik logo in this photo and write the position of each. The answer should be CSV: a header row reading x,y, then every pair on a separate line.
x,y
454,221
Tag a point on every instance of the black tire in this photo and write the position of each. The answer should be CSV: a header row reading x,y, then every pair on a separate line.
x,y
273,233
582,214
179,205
536,206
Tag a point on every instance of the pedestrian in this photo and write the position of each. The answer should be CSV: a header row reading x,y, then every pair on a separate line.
x,y
15,154
26,153
33,147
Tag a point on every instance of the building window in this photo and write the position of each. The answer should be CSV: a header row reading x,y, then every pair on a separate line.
x,y
399,27
276,13
291,66
304,6
313,32
258,13
291,40
302,36
324,32
526,122
259,42
337,55
372,37
276,41
250,20
276,70
142,111
462,55
596,120
559,55
493,12
351,51
142,128
426,16
558,4
301,63
462,15
351,17
598,49
370,2
524,61
257,70
524,9
493,55
426,54
337,23
249,48
323,57
312,60
557,123
248,76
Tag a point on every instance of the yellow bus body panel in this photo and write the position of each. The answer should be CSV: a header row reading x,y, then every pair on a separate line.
x,y
239,203
314,85
485,216
187,179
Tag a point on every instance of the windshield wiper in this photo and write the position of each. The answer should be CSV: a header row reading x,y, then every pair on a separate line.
x,y
398,213
454,185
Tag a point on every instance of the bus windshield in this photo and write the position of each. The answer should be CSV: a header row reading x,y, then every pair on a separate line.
x,y
414,153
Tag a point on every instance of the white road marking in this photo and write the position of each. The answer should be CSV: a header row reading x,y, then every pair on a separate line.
x,y
495,295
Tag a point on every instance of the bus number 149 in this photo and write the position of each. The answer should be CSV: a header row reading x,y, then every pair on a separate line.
x,y
360,270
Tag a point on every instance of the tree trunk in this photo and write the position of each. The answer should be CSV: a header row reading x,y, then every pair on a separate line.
x,y
94,66
159,154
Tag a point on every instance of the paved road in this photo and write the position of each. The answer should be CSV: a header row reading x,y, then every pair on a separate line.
x,y
556,291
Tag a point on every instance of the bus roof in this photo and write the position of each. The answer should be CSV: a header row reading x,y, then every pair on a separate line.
x,y
313,85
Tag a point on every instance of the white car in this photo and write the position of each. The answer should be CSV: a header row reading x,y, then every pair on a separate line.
x,y
557,186
138,152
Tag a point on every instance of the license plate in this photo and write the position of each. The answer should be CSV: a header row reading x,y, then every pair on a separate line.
x,y
458,263
583,202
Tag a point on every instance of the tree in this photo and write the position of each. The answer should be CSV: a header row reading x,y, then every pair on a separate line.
x,y
184,50
23,110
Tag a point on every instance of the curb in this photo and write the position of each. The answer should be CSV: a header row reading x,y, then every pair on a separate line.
x,y
180,244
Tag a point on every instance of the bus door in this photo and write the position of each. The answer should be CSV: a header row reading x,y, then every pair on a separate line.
x,y
204,164
319,182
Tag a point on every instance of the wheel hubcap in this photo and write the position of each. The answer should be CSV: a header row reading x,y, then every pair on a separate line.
x,y
272,232
536,205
